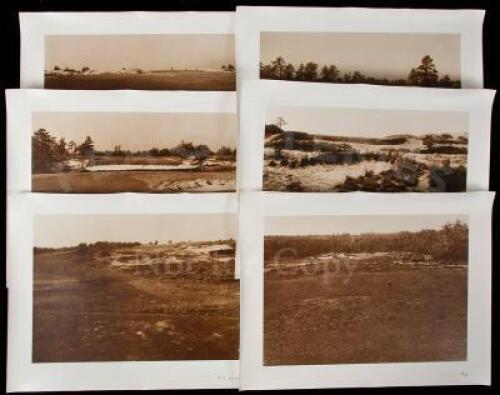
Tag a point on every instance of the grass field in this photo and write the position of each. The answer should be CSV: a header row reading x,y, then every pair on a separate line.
x,y
150,181
364,313
171,80
89,310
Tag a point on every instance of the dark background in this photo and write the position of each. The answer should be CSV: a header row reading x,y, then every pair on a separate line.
x,y
491,38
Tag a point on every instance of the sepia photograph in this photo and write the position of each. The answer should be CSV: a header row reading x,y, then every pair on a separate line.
x,y
134,287
326,149
108,152
403,59
202,62
354,289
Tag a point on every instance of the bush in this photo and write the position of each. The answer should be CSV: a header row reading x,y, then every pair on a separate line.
x,y
294,186
449,244
304,162
445,149
271,130
448,179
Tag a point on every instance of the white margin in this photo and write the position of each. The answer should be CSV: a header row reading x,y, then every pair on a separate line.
x,y
255,206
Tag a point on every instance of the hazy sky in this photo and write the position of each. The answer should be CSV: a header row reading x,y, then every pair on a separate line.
x,y
69,230
140,131
148,52
390,55
369,122
327,225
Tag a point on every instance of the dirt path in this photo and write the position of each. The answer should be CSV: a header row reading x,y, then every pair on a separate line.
x,y
88,313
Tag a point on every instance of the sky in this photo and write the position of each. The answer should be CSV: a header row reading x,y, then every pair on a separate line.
x,y
390,55
148,52
355,224
369,122
69,230
140,131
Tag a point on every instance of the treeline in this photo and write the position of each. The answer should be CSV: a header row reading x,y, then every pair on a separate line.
x,y
450,243
183,150
68,70
85,70
425,74
102,248
444,144
47,151
228,67
90,248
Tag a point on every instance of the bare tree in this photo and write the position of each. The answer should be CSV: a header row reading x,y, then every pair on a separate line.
x,y
280,122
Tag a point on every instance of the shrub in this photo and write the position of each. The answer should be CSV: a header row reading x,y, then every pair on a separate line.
x,y
449,243
294,186
448,179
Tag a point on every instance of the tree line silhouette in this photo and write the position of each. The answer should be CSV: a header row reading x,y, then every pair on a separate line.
x,y
228,67
86,70
425,74
449,243
46,150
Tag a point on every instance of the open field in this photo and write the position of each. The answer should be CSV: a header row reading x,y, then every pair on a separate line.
x,y
366,295
299,161
162,80
135,302
363,311
151,181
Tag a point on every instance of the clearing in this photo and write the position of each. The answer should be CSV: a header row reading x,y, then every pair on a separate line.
x,y
364,308
101,307
151,181
164,80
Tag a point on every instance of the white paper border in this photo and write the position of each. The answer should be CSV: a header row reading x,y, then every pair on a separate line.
x,y
476,370
259,95
250,21
23,375
36,25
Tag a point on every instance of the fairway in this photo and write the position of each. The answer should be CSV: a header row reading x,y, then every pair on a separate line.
x,y
89,310
149,181
165,80
366,313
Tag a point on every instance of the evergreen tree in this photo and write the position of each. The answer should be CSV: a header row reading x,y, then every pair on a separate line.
x,y
86,149
425,74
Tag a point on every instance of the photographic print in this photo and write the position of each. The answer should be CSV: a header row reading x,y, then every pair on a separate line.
x,y
192,51
326,149
304,137
134,287
365,289
397,47
143,61
107,152
405,59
